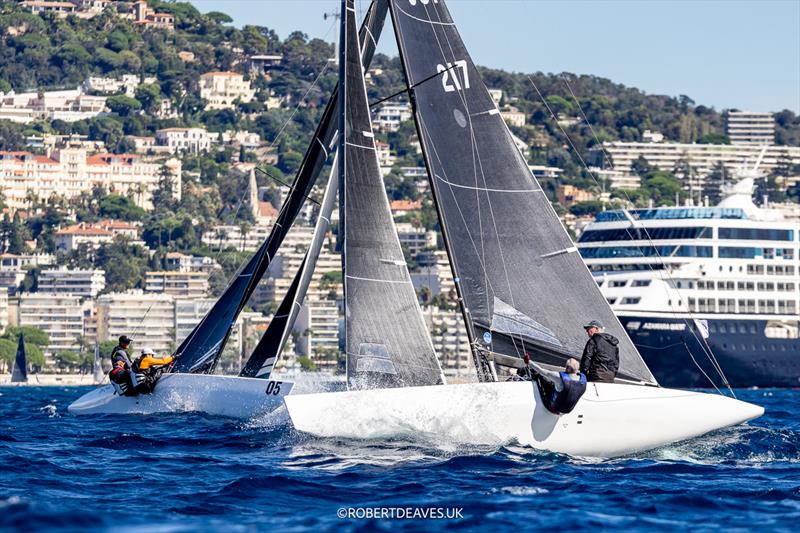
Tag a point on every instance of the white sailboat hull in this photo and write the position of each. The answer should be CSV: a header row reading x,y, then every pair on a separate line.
x,y
230,396
609,420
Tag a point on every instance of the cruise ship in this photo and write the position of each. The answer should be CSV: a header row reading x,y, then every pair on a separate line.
x,y
704,292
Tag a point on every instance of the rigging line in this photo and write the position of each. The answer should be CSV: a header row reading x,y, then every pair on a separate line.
x,y
709,355
287,185
704,344
408,89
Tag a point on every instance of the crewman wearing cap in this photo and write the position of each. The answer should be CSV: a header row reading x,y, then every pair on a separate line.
x,y
600,360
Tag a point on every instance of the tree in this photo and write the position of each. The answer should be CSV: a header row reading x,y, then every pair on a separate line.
x,y
120,207
32,335
590,207
123,105
149,94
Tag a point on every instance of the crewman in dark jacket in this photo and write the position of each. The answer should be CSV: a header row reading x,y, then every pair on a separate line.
x,y
560,391
600,360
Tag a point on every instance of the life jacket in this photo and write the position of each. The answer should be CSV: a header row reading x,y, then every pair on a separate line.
x,y
564,402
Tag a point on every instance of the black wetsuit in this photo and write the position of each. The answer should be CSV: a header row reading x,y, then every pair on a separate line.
x,y
564,400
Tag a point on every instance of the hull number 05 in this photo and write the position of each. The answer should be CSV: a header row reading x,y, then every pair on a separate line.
x,y
274,387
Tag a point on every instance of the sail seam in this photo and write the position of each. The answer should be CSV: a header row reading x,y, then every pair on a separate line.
x,y
378,280
423,20
487,189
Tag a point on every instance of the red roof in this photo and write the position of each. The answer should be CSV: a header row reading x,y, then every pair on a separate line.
x,y
80,229
266,209
405,205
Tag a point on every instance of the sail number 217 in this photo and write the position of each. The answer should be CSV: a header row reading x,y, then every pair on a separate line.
x,y
452,83
274,387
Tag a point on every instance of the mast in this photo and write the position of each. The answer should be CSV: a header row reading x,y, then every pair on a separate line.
x,y
342,156
481,365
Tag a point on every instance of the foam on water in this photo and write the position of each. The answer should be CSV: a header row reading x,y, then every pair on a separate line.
x,y
97,473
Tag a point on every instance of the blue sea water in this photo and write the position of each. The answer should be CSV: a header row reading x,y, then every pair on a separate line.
x,y
189,472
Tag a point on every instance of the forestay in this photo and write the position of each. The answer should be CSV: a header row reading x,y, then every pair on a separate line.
x,y
200,351
523,283
387,342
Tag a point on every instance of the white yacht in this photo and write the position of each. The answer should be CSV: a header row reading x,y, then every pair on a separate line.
x,y
704,291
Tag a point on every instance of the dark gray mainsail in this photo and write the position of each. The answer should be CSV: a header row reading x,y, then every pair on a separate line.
x,y
387,342
20,372
201,349
524,286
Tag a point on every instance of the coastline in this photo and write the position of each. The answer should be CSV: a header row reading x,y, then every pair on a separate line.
x,y
50,380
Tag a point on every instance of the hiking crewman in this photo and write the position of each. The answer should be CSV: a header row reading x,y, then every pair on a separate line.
x,y
149,368
600,361
559,392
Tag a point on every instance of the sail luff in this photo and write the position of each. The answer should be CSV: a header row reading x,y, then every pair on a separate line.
x,y
525,286
271,344
199,352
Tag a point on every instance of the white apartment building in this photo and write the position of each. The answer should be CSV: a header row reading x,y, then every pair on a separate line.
x,y
237,138
68,105
148,318
702,157
497,96
61,316
75,282
415,239
750,128
450,340
189,313
184,140
222,89
179,262
62,9
178,284
3,310
226,236
72,171
388,117
386,158
126,83
14,267
617,179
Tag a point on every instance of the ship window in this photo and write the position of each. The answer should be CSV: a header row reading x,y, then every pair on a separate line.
x,y
769,253
722,328
641,283
790,270
611,301
631,300
756,234
619,283
788,253
735,252
712,328
752,329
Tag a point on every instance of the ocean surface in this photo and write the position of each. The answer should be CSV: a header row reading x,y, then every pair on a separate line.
x,y
189,472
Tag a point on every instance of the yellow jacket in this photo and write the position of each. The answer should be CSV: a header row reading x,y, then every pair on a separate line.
x,y
148,360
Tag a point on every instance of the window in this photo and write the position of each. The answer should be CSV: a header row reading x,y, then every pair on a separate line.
x,y
618,283
611,301
644,234
731,252
756,234
641,283
769,253
631,300
788,253
755,269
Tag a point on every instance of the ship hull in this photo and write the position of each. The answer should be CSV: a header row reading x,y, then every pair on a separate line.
x,y
675,354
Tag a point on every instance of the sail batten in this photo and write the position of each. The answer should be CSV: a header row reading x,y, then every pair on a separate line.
x,y
508,245
387,342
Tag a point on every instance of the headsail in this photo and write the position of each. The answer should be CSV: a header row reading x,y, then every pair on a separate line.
x,y
387,342
97,368
269,347
20,372
200,350
524,286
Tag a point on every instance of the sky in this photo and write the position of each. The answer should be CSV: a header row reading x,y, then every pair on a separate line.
x,y
721,53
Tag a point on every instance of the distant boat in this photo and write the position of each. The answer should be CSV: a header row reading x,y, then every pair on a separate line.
x,y
522,286
20,372
97,368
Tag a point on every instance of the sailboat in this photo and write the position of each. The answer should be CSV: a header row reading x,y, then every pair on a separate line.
x,y
190,384
522,287
20,372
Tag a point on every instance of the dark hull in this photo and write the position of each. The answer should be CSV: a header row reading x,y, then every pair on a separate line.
x,y
748,358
